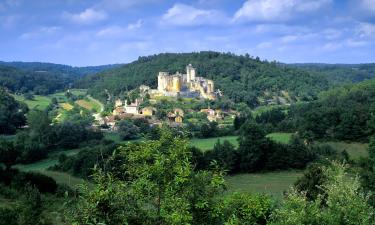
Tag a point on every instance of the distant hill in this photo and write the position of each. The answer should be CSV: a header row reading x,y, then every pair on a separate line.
x,y
342,113
338,74
42,78
241,78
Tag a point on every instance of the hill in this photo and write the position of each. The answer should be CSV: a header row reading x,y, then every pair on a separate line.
x,y
338,74
241,78
42,78
342,113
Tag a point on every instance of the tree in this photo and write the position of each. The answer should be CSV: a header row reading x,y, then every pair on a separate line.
x,y
31,209
11,113
252,147
8,154
225,155
40,129
159,175
344,203
246,209
311,181
127,130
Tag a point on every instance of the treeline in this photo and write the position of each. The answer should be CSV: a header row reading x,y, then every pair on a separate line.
x,y
257,153
12,113
161,175
241,78
344,113
42,78
338,74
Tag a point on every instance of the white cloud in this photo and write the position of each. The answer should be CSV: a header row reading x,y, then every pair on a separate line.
x,y
113,31
41,32
186,15
123,4
264,45
10,21
368,5
136,25
276,10
9,3
88,16
118,31
365,30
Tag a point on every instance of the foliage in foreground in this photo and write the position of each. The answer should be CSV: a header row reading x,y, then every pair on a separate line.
x,y
341,202
155,183
158,185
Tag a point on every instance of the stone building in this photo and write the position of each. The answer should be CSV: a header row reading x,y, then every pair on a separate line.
x,y
185,85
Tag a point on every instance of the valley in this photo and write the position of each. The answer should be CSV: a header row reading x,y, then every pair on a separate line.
x,y
257,145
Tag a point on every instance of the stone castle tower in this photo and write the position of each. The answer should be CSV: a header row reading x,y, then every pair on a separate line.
x,y
172,85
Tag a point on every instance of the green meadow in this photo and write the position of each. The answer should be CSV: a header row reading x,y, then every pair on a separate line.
x,y
39,102
280,137
208,143
273,183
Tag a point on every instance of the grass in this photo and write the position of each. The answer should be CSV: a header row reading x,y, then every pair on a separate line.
x,y
89,104
354,149
66,106
208,143
112,136
280,137
60,177
273,183
78,92
39,102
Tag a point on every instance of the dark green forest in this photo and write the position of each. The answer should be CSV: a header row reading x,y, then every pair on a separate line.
x,y
241,78
342,113
338,74
42,78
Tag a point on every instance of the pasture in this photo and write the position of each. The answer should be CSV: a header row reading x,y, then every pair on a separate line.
x,y
39,102
283,138
354,149
89,104
60,177
272,183
208,143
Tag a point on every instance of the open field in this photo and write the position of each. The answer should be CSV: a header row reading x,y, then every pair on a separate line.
x,y
280,137
89,104
273,183
66,106
39,102
208,143
60,177
355,150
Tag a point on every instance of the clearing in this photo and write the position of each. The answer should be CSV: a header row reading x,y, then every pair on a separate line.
x,y
273,183
39,102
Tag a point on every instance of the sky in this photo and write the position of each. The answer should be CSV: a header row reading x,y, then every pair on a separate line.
x,y
97,32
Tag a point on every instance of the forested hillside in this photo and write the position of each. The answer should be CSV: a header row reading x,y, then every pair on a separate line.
x,y
341,73
343,113
241,78
42,78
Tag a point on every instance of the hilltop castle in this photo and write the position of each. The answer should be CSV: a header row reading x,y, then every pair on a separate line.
x,y
185,85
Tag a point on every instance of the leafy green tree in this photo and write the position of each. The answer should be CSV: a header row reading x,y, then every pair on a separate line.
x,y
311,181
39,124
11,113
345,203
31,209
127,130
246,209
8,154
225,155
161,187
252,147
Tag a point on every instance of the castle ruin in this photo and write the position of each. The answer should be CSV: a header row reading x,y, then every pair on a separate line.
x,y
185,85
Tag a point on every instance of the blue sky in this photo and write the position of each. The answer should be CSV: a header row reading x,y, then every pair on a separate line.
x,y
94,32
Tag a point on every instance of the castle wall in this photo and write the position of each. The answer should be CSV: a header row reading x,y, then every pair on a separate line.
x,y
172,84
